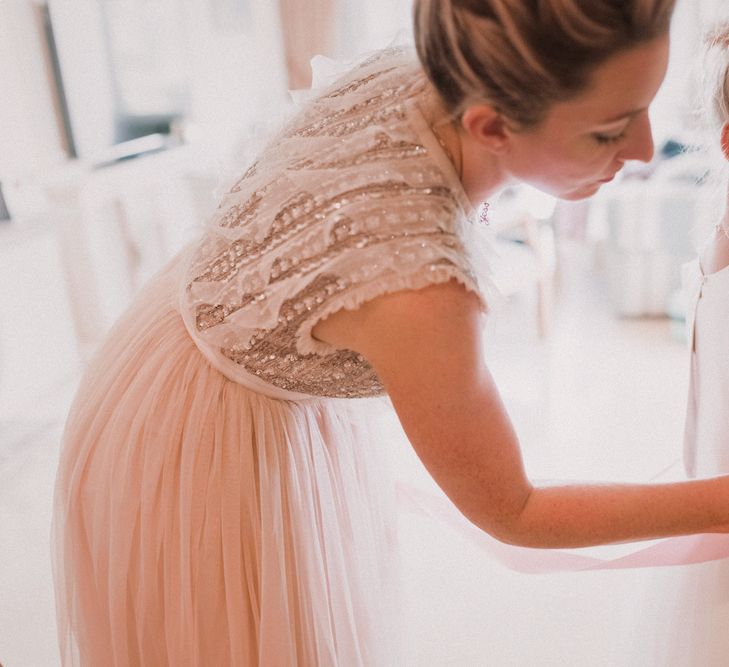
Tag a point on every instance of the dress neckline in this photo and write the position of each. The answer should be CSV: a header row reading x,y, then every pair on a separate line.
x,y
714,274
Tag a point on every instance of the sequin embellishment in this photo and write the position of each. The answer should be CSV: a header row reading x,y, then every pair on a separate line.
x,y
272,355
344,202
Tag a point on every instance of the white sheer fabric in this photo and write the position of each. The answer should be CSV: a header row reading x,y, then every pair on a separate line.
x,y
199,522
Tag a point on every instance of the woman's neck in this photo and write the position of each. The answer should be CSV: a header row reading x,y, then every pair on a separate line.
x,y
481,173
478,169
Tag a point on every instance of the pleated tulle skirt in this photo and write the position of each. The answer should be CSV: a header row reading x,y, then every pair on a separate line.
x,y
200,523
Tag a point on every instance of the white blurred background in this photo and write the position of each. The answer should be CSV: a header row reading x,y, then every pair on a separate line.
x,y
118,118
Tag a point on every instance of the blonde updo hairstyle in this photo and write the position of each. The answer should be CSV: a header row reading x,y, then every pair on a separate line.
x,y
521,56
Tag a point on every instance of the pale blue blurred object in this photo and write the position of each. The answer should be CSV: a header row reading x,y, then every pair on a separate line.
x,y
676,312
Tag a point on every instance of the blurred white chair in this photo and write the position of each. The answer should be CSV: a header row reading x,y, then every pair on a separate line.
x,y
648,229
38,352
529,260
120,224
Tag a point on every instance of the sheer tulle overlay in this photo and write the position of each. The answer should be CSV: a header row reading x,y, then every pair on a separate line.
x,y
220,498
198,522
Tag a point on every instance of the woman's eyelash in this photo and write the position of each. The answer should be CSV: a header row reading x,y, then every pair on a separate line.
x,y
607,139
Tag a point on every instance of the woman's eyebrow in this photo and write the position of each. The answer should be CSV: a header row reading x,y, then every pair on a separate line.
x,y
624,116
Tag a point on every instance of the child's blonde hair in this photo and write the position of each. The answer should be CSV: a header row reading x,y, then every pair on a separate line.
x,y
716,73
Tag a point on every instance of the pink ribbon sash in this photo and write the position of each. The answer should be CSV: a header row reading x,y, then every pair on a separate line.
x,y
686,550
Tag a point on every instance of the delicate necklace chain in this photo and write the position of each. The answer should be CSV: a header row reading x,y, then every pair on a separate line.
x,y
484,210
448,152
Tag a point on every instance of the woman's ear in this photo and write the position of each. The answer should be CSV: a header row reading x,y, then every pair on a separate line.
x,y
725,140
487,127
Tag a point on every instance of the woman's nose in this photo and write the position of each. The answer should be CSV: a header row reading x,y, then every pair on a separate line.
x,y
640,144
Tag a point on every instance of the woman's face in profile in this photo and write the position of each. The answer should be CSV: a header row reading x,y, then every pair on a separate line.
x,y
584,142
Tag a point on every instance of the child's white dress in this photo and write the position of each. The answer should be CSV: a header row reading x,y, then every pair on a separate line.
x,y
693,601
706,441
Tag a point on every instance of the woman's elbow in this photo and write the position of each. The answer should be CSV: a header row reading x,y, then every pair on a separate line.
x,y
505,529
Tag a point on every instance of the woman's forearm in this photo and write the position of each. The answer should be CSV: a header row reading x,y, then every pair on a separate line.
x,y
451,410
591,514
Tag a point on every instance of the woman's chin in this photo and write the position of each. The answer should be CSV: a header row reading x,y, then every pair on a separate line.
x,y
583,192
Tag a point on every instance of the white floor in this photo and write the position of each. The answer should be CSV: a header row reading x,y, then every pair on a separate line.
x,y
602,398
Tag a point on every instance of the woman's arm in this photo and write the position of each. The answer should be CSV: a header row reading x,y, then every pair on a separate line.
x,y
426,347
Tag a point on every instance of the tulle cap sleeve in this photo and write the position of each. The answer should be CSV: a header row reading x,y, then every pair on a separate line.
x,y
351,200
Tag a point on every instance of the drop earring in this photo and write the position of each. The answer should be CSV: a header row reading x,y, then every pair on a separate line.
x,y
483,214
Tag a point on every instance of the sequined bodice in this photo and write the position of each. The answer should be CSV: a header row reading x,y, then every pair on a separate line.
x,y
352,199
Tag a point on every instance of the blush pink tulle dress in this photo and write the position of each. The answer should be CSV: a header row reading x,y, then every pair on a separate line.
x,y
221,497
